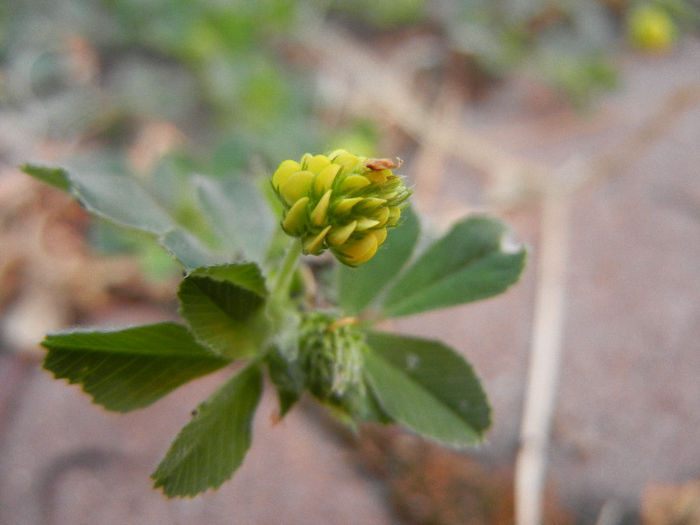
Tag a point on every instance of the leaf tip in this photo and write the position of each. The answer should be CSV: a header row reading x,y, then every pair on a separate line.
x,y
57,177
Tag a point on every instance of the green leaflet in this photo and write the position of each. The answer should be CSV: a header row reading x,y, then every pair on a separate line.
x,y
427,387
121,200
467,264
187,249
211,447
124,202
128,369
359,287
223,306
239,214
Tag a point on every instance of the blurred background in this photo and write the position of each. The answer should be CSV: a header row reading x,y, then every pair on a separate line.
x,y
576,122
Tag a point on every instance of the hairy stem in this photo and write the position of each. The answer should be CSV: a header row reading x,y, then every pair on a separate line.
x,y
287,269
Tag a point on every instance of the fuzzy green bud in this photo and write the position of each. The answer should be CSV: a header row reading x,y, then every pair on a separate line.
x,y
331,357
340,202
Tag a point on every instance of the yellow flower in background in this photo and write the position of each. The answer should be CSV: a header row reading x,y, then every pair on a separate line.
x,y
340,202
651,28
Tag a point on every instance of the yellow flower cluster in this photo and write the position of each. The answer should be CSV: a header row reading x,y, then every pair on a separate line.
x,y
340,202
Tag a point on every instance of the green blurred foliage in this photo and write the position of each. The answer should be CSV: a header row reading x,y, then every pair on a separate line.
x,y
570,45
221,70
212,68
383,15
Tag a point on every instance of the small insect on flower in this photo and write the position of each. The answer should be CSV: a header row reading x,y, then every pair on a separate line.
x,y
340,202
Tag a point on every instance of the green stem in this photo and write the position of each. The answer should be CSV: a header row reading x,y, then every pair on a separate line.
x,y
289,266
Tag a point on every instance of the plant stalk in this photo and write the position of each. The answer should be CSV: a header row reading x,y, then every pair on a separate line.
x,y
545,358
289,266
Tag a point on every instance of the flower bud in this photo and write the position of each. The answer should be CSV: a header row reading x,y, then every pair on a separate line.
x,y
340,202
331,357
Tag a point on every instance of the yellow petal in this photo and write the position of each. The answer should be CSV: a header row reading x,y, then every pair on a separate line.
x,y
359,251
378,177
317,163
324,180
305,158
296,186
295,219
333,154
354,182
341,234
346,205
380,234
345,159
315,245
382,215
370,203
285,169
394,215
318,215
366,224
374,202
